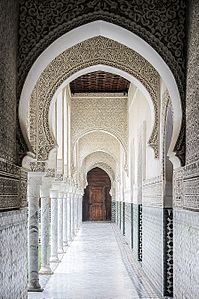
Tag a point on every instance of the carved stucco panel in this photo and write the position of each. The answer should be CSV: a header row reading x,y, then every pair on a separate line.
x,y
99,157
98,141
98,50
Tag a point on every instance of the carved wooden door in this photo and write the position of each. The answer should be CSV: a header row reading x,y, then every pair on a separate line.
x,y
97,207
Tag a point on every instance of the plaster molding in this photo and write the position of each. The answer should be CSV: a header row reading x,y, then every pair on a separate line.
x,y
90,52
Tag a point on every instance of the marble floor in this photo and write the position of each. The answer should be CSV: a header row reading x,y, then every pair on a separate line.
x,y
92,268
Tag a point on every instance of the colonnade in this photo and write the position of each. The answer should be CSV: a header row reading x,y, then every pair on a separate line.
x,y
61,218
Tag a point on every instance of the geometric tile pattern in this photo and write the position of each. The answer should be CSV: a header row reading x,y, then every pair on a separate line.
x,y
13,257
113,211
140,232
168,251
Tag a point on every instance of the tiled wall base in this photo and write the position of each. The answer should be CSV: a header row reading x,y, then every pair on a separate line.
x,y
152,245
122,217
128,224
13,254
149,234
137,231
186,254
113,211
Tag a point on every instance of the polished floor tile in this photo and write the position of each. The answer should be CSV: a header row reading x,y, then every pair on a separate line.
x,y
92,268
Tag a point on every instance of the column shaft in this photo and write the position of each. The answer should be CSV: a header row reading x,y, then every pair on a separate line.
x,y
65,220
77,208
60,223
69,217
45,266
33,221
74,214
54,239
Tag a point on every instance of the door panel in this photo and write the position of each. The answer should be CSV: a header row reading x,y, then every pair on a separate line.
x,y
97,208
97,199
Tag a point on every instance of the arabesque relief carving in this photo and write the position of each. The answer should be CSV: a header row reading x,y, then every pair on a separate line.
x,y
97,50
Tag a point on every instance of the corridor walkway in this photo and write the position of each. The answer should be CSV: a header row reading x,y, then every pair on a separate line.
x,y
92,268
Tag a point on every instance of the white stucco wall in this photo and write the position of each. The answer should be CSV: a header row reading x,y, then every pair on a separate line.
x,y
139,117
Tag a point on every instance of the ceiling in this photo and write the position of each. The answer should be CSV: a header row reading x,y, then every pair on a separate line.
x,y
99,82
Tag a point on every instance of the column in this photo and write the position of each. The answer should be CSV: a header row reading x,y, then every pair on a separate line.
x,y
69,217
65,220
45,263
80,209
60,222
54,223
77,220
34,181
74,212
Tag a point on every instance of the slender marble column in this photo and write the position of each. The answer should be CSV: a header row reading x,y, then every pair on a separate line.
x,y
34,181
54,218
81,199
74,213
45,197
77,219
65,220
69,217
60,222
79,211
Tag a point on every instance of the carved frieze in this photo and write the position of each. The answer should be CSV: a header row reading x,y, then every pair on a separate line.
x,y
166,103
178,192
50,172
10,186
37,166
96,117
160,23
23,188
152,192
186,187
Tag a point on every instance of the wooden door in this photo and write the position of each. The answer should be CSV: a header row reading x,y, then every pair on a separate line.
x,y
97,199
97,207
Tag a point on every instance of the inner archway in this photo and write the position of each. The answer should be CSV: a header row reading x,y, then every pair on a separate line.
x,y
97,198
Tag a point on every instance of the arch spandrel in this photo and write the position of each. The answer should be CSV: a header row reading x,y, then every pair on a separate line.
x,y
97,50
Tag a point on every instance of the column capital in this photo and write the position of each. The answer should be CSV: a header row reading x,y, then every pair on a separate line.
x,y
45,189
53,193
33,184
60,194
65,196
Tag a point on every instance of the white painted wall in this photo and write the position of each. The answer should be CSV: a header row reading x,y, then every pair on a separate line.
x,y
139,116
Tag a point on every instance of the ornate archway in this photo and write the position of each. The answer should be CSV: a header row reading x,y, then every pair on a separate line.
x,y
131,40
98,50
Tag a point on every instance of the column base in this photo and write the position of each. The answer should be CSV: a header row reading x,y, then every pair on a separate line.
x,y
68,242
66,248
54,259
34,286
60,251
45,271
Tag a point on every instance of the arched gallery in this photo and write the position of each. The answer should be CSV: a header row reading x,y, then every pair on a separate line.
x,y
99,149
